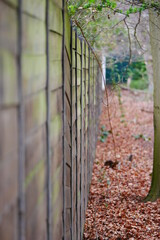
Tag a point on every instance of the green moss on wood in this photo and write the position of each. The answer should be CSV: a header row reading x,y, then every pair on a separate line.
x,y
33,73
67,35
33,35
8,76
56,128
35,8
57,2
8,28
56,185
39,166
55,46
55,18
55,74
35,110
12,2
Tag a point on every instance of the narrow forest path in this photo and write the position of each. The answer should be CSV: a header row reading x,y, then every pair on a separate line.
x,y
115,210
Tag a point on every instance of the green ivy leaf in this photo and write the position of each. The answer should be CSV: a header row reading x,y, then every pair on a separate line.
x,y
87,5
99,7
91,1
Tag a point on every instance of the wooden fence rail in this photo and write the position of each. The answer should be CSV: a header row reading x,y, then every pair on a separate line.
x,y
50,94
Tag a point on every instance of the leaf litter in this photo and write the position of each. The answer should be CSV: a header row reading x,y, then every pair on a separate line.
x,y
115,208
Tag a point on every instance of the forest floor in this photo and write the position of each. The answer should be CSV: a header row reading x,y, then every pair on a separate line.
x,y
115,208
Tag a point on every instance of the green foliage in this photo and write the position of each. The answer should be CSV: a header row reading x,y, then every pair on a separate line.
x,y
119,72
115,70
103,134
98,12
140,84
141,136
94,4
112,5
138,73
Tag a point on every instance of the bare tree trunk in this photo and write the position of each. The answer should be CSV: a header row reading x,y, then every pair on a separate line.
x,y
155,47
149,67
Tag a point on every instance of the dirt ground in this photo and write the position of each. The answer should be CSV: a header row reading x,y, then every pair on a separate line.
x,y
115,208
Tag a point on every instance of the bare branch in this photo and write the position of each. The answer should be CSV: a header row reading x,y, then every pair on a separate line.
x,y
135,31
130,42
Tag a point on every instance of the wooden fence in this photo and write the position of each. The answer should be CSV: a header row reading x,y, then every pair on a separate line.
x,y
50,94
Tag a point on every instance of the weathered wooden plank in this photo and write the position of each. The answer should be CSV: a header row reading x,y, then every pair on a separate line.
x,y
74,189
73,39
8,183
78,77
12,2
68,91
87,95
35,8
87,52
56,102
73,96
68,220
57,2
73,57
78,46
78,95
68,176
9,131
8,79
83,96
55,46
67,150
74,142
73,113
55,74
33,35
67,131
79,61
55,18
57,227
35,149
8,28
8,224
67,35
36,223
33,73
68,111
68,197
68,235
73,77
57,187
57,198
56,156
67,76
86,119
56,129
35,111
34,184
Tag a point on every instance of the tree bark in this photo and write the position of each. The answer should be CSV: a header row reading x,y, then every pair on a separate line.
x,y
154,192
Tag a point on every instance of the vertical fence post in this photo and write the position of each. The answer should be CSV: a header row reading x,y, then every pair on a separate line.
x,y
48,147
21,134
85,173
76,134
81,147
71,118
63,119
88,145
93,115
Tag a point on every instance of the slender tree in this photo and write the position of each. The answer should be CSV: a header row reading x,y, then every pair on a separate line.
x,y
154,192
